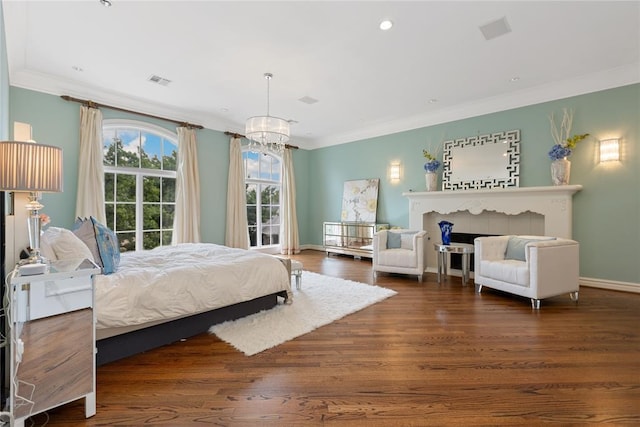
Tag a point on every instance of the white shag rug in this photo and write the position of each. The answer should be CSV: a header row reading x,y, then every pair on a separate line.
x,y
321,300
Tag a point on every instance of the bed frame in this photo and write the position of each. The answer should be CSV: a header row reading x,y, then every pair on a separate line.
x,y
124,345
120,346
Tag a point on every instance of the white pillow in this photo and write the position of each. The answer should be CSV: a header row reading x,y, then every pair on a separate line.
x,y
45,248
66,245
406,240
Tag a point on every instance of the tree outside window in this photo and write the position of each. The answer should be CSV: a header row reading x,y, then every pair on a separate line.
x,y
263,174
140,180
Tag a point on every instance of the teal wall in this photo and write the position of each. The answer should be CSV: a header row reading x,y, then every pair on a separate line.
x,y
606,216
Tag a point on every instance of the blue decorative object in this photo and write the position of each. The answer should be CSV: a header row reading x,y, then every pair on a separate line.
x,y
559,152
432,165
445,229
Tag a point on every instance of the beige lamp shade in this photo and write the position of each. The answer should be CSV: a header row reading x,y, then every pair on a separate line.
x,y
28,166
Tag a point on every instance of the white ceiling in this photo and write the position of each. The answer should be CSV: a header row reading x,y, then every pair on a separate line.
x,y
367,82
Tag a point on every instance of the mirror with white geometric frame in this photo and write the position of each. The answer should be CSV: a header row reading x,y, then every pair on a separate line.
x,y
482,162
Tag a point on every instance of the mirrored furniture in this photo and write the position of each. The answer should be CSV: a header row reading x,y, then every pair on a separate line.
x,y
52,339
350,238
443,250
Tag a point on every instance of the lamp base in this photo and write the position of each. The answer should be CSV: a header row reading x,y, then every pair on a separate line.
x,y
32,269
34,258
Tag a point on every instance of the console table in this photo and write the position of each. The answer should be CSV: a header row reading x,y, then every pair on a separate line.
x,y
350,238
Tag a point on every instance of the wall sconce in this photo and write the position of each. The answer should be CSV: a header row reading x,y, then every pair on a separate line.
x,y
609,150
394,172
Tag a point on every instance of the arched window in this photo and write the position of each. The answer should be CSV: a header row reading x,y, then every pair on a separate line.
x,y
263,181
140,182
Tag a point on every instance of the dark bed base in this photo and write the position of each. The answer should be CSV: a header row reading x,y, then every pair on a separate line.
x,y
121,346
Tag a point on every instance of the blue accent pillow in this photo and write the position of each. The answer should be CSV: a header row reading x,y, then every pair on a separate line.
x,y
516,248
394,240
102,242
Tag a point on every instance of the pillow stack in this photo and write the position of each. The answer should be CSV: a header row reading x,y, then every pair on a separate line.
x,y
89,239
60,244
101,241
400,240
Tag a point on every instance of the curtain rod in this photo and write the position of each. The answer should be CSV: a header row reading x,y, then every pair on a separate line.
x,y
239,135
92,104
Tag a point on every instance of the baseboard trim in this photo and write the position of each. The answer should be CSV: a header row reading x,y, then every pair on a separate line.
x,y
610,284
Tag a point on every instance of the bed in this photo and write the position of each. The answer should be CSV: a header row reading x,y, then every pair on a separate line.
x,y
173,292
147,299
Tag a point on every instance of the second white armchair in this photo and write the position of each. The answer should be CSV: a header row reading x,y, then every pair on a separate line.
x,y
535,267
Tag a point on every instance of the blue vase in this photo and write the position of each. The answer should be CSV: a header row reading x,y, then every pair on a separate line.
x,y
445,229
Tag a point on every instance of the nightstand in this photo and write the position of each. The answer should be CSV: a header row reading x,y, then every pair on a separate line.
x,y
52,339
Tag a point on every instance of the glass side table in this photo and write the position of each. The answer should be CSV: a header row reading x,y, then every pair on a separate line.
x,y
465,249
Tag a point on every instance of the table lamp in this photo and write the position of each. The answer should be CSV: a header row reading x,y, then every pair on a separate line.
x,y
33,168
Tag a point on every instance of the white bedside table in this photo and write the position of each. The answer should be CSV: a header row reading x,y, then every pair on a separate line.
x,y
52,333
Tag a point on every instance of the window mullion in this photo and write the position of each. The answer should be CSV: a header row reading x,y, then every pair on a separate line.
x,y
139,216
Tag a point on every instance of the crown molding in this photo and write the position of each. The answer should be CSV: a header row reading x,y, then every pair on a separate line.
x,y
606,79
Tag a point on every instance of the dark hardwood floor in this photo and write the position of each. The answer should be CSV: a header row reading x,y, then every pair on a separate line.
x,y
431,355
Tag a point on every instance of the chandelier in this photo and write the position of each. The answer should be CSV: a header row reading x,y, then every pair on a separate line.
x,y
270,132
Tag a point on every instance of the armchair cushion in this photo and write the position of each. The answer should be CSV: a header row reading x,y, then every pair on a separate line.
x,y
516,247
406,240
400,239
507,270
394,240
398,258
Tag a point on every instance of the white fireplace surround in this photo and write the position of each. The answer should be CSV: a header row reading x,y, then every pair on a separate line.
x,y
554,203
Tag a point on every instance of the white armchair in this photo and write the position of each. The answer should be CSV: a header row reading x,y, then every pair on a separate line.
x,y
535,267
400,251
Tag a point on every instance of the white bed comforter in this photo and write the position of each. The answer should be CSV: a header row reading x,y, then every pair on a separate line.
x,y
174,281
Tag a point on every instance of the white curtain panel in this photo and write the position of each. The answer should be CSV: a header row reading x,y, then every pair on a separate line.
x,y
236,233
289,238
90,197
186,223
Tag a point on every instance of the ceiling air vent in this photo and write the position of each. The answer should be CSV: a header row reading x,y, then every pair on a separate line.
x,y
308,100
160,80
495,29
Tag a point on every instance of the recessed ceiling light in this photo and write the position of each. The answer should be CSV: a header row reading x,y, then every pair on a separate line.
x,y
105,3
386,25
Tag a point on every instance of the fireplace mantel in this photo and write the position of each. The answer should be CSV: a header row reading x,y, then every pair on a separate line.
x,y
554,203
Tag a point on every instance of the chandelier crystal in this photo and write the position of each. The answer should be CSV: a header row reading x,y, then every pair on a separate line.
x,y
268,131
